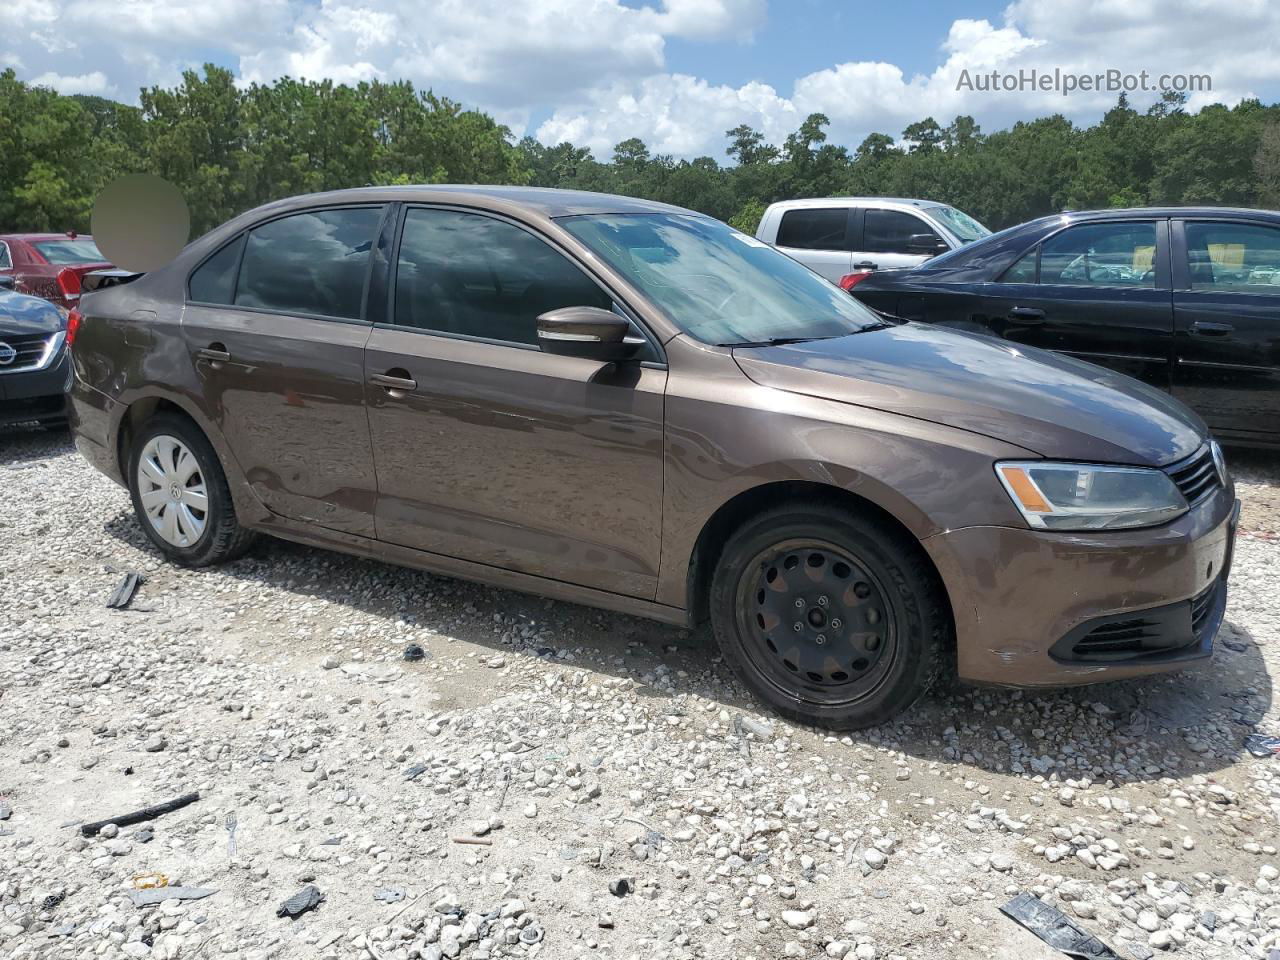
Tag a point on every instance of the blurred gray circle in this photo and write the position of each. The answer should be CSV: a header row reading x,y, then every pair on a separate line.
x,y
140,222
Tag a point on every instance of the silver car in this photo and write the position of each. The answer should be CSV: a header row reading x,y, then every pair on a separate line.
x,y
839,236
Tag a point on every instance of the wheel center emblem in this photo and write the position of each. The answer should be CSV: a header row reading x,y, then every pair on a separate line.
x,y
175,492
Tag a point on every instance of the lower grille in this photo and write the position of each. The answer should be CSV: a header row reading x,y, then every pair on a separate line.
x,y
1160,633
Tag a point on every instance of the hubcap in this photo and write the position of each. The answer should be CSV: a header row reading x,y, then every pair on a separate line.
x,y
815,618
172,490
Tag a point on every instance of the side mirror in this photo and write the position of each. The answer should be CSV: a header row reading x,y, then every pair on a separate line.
x,y
929,243
7,282
589,332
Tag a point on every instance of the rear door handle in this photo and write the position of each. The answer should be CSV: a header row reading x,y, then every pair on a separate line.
x,y
1207,328
866,265
214,353
393,383
1027,316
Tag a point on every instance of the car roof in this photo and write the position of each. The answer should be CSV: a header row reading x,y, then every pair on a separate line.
x,y
858,202
1125,213
547,201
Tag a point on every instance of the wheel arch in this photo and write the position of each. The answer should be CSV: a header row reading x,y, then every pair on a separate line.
x,y
738,509
140,409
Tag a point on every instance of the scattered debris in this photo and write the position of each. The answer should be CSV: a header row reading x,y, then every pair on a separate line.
x,y
145,898
1260,745
122,596
1056,929
531,934
620,887
414,652
473,841
230,824
145,835
51,901
308,898
150,881
137,816
388,895
757,728
414,772
6,810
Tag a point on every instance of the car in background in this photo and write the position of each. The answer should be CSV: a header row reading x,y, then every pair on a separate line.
x,y
1186,299
50,265
34,369
842,236
622,403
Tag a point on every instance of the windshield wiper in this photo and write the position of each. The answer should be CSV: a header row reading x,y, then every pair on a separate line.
x,y
777,341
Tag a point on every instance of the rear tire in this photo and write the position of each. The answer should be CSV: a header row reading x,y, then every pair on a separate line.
x,y
831,618
180,494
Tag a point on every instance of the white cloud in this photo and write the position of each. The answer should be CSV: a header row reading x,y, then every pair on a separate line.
x,y
95,83
596,71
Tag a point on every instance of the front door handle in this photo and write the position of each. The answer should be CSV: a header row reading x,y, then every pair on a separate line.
x,y
1027,316
1207,328
393,383
215,353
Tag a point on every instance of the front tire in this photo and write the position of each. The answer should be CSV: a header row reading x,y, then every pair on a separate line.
x,y
831,618
180,494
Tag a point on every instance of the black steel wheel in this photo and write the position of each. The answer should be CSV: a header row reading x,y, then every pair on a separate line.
x,y
831,618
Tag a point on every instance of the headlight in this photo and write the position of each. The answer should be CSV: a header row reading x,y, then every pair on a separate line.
x,y
1080,496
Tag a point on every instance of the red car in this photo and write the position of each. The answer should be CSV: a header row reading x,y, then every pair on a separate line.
x,y
49,265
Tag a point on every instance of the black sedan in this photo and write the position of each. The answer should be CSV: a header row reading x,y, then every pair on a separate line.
x,y
1184,298
34,369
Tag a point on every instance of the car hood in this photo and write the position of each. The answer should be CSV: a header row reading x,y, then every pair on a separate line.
x,y
1055,406
20,314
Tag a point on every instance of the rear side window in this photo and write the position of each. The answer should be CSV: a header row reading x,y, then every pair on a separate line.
x,y
890,231
1024,270
463,273
310,263
1102,255
1234,257
821,229
214,281
5,261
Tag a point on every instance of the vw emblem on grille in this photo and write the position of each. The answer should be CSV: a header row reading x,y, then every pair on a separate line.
x,y
7,354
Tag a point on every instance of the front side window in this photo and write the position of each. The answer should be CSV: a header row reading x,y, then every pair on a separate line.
x,y
64,252
814,229
717,284
1101,254
1234,257
310,263
473,275
890,231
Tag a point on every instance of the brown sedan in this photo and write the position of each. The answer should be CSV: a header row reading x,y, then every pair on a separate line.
x,y
630,405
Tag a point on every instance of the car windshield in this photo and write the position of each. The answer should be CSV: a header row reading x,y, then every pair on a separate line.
x,y
717,284
79,250
960,223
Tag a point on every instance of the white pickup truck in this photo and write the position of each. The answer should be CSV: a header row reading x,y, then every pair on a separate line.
x,y
837,236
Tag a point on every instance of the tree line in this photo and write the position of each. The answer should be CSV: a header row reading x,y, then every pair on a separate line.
x,y
230,148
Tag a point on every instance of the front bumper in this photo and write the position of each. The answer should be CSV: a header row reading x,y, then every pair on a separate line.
x,y
36,394
1024,599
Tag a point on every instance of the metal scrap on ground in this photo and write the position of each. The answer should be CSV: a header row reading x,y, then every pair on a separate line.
x,y
137,816
145,898
1056,929
308,898
122,596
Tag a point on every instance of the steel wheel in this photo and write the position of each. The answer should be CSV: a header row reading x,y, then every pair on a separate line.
x,y
171,488
816,622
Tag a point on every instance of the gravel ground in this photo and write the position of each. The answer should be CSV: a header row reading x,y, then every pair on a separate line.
x,y
617,793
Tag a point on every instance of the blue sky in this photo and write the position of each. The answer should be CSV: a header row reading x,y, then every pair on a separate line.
x,y
676,73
